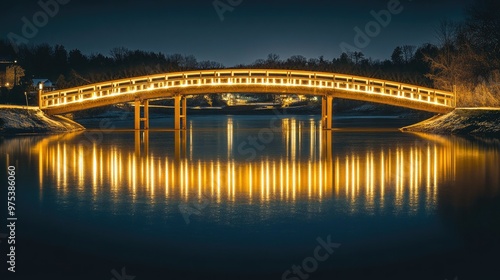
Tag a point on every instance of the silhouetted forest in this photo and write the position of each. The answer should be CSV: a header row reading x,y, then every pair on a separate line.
x,y
467,56
73,68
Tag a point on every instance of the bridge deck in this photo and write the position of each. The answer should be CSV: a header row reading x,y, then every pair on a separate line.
x,y
249,81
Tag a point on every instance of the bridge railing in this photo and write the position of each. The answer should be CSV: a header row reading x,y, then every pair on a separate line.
x,y
258,77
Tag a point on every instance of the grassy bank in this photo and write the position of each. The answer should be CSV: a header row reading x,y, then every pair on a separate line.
x,y
22,120
476,121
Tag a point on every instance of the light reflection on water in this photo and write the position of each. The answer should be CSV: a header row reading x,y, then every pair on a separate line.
x,y
354,176
369,179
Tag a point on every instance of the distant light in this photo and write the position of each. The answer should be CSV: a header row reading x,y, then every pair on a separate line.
x,y
40,85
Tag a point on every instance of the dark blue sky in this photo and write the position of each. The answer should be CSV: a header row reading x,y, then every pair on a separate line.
x,y
250,31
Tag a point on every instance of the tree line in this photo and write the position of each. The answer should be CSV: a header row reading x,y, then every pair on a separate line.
x,y
73,68
466,58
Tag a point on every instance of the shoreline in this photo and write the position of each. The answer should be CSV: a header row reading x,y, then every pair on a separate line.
x,y
30,120
461,121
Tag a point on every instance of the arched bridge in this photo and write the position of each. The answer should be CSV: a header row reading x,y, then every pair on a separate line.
x,y
181,84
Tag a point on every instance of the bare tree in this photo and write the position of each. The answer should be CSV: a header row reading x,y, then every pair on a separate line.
x,y
119,53
408,53
273,58
469,55
446,32
483,29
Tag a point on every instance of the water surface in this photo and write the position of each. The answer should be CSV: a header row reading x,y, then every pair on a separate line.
x,y
247,197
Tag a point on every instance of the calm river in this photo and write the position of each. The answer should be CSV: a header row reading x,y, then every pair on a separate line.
x,y
254,197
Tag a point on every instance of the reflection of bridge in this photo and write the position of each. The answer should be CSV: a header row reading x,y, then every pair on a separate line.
x,y
364,176
181,84
376,177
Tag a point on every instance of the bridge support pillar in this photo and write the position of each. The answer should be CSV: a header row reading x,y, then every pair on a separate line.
x,y
180,112
137,114
327,112
146,114
184,113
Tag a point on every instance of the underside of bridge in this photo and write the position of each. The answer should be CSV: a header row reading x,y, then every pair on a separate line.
x,y
180,113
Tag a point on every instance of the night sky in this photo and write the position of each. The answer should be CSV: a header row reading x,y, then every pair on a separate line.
x,y
250,31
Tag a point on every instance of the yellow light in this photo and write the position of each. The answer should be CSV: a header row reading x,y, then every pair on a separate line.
x,y
166,177
347,175
267,180
262,186
309,176
250,183
218,181
228,176
94,166
199,179
234,182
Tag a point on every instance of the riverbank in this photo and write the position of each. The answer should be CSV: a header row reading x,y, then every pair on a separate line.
x,y
28,120
31,120
475,121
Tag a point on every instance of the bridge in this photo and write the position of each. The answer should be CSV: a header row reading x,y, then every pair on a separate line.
x,y
180,85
